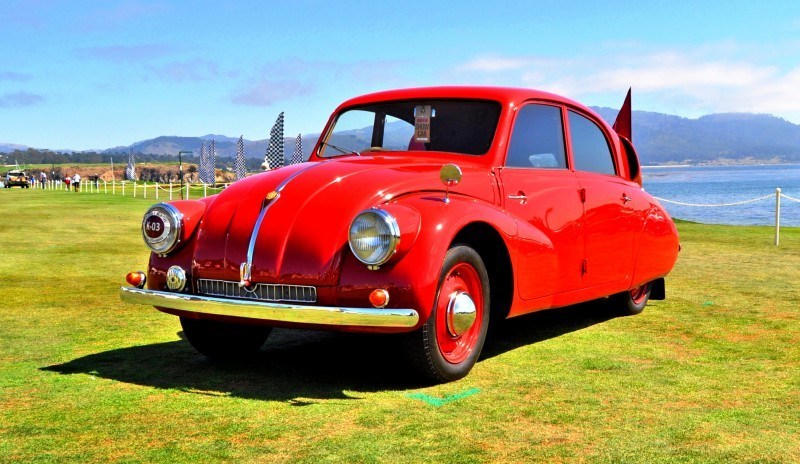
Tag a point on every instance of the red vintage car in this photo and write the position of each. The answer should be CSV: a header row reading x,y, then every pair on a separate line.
x,y
429,212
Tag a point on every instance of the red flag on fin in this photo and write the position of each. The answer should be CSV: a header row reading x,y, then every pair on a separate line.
x,y
623,124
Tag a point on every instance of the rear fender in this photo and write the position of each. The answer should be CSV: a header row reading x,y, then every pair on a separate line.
x,y
658,247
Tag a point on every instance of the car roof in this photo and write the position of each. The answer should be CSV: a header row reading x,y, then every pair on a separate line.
x,y
501,94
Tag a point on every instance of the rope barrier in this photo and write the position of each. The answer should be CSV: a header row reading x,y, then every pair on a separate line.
x,y
709,205
790,198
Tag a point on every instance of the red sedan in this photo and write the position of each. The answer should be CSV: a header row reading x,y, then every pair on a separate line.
x,y
430,212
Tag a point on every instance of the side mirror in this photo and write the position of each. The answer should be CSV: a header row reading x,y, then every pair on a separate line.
x,y
450,175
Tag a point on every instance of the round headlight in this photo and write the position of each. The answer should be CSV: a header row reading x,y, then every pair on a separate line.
x,y
161,227
374,235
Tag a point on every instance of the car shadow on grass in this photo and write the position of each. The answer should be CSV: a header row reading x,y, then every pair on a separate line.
x,y
299,366
543,325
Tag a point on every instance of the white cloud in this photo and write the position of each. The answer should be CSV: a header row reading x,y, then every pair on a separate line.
x,y
703,80
19,99
191,70
496,64
265,92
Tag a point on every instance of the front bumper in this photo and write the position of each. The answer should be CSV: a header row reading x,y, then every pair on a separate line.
x,y
275,312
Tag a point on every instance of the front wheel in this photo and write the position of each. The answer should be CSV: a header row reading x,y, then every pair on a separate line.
x,y
633,301
221,340
449,344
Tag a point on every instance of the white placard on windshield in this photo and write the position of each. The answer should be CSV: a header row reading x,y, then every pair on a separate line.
x,y
422,123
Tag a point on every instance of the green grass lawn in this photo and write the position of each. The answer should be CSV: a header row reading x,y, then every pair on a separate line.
x,y
712,374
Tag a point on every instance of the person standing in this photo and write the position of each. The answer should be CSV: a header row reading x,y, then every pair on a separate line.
x,y
76,181
43,180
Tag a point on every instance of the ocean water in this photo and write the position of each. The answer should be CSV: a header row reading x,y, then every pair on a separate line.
x,y
724,185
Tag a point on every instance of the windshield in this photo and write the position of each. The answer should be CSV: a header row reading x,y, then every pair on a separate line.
x,y
457,126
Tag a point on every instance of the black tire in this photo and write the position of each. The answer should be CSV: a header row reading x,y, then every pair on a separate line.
x,y
221,340
433,350
633,301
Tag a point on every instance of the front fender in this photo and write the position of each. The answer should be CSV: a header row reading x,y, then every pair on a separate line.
x,y
412,278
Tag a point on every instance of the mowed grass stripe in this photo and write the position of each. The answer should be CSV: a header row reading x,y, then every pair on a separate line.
x,y
709,375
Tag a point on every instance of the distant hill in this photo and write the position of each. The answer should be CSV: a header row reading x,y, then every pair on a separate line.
x,y
659,139
663,138
224,146
10,147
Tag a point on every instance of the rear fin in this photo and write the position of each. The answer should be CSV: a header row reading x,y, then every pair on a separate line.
x,y
622,126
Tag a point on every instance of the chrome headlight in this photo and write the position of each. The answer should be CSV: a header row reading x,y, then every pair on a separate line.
x,y
161,227
374,235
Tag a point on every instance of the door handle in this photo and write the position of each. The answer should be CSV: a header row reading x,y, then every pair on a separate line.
x,y
626,198
519,196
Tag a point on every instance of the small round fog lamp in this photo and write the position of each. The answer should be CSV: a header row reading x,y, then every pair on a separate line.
x,y
176,278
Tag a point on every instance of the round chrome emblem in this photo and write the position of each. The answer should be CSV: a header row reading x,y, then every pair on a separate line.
x,y
176,278
161,228
156,227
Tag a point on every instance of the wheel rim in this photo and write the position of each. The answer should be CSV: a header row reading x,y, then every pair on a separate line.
x,y
460,280
639,294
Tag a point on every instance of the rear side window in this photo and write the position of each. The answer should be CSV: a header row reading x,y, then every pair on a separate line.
x,y
538,139
590,150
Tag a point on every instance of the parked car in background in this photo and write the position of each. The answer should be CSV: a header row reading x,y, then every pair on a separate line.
x,y
432,212
17,178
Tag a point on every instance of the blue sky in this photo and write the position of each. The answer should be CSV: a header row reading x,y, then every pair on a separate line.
x,y
84,74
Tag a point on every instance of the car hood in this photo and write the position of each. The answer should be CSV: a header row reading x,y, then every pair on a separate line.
x,y
302,237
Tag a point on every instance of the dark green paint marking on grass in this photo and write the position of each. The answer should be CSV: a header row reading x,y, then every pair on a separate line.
x,y
442,401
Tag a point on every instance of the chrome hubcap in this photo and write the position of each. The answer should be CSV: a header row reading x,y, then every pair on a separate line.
x,y
461,313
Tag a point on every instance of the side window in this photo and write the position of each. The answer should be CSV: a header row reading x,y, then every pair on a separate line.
x,y
538,138
590,150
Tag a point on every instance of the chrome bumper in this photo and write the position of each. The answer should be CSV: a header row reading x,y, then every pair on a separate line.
x,y
277,312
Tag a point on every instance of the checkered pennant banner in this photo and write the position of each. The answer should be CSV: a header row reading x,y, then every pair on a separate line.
x,y
274,156
297,155
239,165
130,170
211,163
202,169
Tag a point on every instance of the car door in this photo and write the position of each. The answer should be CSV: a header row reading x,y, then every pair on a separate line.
x,y
610,217
542,194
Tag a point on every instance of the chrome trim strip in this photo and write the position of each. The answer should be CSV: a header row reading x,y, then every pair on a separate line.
x,y
277,312
254,235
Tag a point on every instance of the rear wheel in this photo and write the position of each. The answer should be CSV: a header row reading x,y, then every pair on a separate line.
x,y
633,301
221,340
449,344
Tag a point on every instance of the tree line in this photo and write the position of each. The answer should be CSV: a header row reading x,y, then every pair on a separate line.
x,y
36,156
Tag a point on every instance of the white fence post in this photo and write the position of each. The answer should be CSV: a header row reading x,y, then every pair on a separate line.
x,y
777,216
157,190
204,189
123,188
170,191
187,190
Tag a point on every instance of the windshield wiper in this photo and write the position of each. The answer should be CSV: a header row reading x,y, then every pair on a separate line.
x,y
342,150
